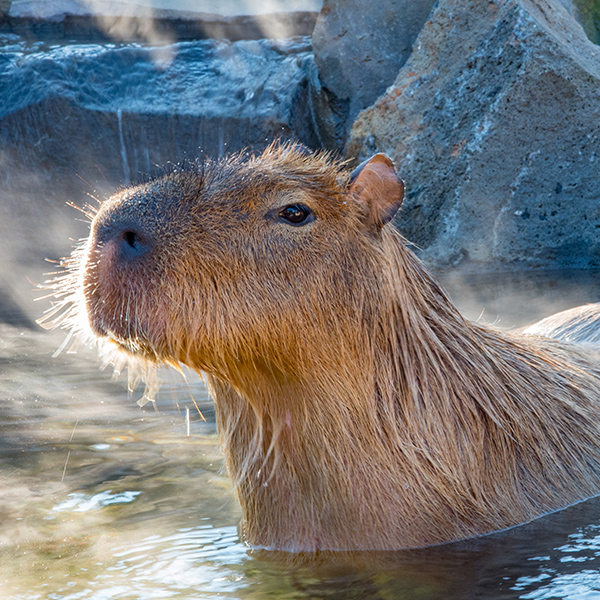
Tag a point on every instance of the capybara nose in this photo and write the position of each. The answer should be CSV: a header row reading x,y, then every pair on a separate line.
x,y
127,240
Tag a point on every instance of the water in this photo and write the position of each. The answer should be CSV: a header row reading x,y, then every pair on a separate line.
x,y
97,493
102,499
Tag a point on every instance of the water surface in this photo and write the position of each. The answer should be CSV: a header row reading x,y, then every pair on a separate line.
x,y
102,499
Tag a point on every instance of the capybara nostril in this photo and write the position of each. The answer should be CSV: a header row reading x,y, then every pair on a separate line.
x,y
134,244
132,239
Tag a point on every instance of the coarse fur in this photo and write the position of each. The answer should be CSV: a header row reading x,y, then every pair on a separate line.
x,y
357,408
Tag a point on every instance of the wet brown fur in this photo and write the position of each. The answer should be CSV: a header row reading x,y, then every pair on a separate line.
x,y
358,409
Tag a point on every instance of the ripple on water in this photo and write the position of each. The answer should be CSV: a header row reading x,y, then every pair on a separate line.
x,y
84,502
582,552
205,558
203,561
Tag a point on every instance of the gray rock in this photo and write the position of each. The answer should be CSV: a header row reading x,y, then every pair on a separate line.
x,y
359,49
86,119
494,123
159,22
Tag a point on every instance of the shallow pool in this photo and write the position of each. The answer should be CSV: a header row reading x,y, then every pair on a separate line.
x,y
103,499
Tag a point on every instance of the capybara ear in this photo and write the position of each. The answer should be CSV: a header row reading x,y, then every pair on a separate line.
x,y
375,185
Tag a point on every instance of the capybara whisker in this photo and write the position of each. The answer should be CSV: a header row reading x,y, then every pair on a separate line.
x,y
357,408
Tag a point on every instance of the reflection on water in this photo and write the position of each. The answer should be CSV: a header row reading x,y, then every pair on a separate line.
x,y
102,499
83,503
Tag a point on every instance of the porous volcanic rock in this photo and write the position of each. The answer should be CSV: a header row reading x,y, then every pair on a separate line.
x,y
494,123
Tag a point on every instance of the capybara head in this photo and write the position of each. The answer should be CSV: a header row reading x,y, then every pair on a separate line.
x,y
247,260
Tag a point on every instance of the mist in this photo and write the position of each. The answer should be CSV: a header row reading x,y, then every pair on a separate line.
x,y
133,94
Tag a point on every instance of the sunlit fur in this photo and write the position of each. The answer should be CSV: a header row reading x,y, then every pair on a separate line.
x,y
579,325
68,312
357,408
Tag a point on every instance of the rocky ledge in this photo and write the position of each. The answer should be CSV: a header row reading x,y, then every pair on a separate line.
x,y
494,123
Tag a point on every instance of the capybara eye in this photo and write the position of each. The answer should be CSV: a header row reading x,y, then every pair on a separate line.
x,y
296,214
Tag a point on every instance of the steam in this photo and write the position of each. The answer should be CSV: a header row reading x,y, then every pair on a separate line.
x,y
154,22
124,22
120,21
515,300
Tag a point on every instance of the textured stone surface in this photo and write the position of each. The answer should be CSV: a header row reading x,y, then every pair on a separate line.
x,y
94,20
86,119
44,9
359,49
494,123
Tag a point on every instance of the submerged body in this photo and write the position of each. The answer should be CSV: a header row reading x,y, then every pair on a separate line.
x,y
579,325
358,409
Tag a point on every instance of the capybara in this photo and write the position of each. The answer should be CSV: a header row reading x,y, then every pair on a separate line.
x,y
357,408
579,325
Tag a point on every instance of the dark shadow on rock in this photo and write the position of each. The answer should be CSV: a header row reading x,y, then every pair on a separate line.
x,y
359,49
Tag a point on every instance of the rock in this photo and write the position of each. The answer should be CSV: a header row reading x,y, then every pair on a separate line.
x,y
587,13
86,119
494,123
359,49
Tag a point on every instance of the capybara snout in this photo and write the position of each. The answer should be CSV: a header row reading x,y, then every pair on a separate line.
x,y
126,260
137,219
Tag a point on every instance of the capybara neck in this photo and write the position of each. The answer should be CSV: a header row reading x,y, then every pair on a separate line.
x,y
357,408
409,426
